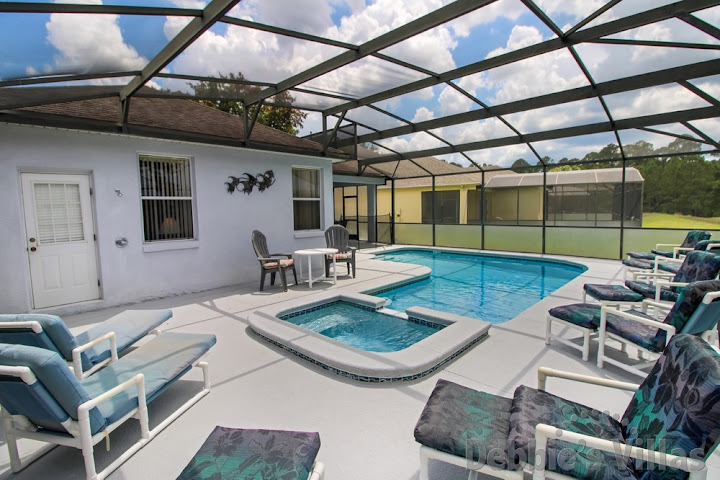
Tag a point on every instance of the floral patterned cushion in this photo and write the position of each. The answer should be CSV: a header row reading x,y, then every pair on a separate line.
x,y
585,315
672,267
677,407
688,301
531,407
340,256
695,236
239,454
642,255
615,293
663,253
640,334
283,263
647,290
698,266
467,423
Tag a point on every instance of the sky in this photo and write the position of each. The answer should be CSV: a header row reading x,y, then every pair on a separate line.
x,y
36,44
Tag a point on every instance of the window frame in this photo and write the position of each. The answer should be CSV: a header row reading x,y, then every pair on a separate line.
x,y
172,243
320,199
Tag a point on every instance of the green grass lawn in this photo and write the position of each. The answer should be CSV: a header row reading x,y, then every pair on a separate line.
x,y
666,220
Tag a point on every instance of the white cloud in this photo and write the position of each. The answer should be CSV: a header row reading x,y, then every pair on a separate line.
x,y
422,114
91,43
652,100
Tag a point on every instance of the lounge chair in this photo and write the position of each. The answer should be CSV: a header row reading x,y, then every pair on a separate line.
x,y
91,349
695,312
338,237
665,264
42,400
665,286
692,309
673,420
691,239
271,262
256,454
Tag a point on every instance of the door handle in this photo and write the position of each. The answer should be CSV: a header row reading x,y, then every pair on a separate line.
x,y
32,239
32,249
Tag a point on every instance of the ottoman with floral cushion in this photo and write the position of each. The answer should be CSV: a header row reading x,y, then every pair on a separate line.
x,y
246,454
675,409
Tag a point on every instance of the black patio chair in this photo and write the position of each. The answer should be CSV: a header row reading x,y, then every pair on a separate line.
x,y
271,262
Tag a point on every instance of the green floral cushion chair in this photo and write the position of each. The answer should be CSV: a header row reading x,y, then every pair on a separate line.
x,y
676,410
247,454
691,239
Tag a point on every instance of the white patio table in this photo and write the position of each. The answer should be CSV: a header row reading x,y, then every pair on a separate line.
x,y
311,252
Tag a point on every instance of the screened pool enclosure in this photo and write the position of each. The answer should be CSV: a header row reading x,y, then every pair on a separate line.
x,y
581,128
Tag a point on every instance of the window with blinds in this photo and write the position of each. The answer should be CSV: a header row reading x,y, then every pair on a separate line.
x,y
306,198
58,213
167,202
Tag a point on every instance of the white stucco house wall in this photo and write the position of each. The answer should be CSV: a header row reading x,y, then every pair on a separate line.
x,y
220,254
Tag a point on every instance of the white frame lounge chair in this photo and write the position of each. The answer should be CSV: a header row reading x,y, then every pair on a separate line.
x,y
508,437
47,403
90,350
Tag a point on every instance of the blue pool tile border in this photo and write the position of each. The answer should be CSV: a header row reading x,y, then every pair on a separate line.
x,y
363,378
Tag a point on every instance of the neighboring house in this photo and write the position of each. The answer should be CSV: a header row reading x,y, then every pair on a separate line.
x,y
575,198
94,218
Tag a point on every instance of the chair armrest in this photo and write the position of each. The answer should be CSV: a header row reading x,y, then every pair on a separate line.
x,y
77,351
137,381
651,275
661,305
543,432
288,255
658,245
545,372
677,250
269,259
663,283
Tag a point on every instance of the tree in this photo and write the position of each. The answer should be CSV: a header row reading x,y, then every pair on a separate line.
x,y
227,96
520,166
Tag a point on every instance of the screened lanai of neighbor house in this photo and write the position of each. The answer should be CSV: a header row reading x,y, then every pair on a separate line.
x,y
143,143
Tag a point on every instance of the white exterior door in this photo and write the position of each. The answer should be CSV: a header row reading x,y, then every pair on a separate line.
x,y
60,239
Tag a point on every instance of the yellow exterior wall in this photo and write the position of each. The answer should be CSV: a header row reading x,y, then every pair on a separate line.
x,y
531,203
408,202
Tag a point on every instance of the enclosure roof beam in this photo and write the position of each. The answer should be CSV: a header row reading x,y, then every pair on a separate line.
x,y
36,7
214,10
426,22
592,17
592,33
636,82
628,123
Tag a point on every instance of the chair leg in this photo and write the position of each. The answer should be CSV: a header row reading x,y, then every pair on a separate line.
x,y
353,266
11,441
295,275
262,279
327,268
548,330
283,279
586,346
272,279
424,470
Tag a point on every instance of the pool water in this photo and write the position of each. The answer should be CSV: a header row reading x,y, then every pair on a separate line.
x,y
361,328
492,288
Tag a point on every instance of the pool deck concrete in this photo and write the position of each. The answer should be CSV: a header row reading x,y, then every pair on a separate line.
x,y
366,429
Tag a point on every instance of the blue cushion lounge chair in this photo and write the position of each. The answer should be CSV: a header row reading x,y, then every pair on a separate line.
x,y
42,400
691,239
538,432
693,312
698,265
90,350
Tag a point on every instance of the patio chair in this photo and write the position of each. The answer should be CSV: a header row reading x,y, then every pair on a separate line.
x,y
586,317
671,425
42,400
695,312
662,286
271,262
665,264
338,237
90,350
691,239
256,454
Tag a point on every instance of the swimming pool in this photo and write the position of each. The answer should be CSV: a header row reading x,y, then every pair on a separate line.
x,y
489,287
363,328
